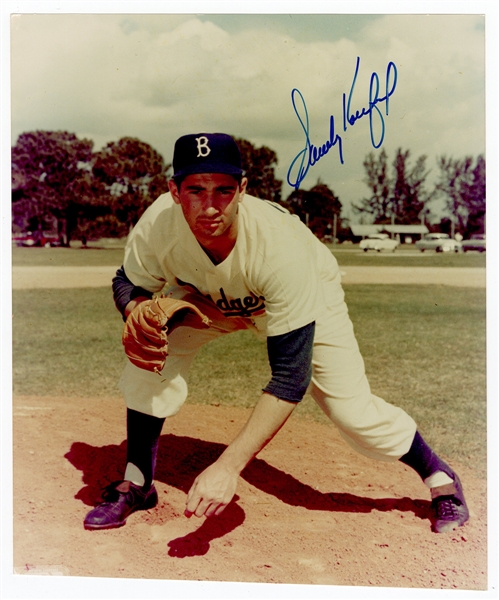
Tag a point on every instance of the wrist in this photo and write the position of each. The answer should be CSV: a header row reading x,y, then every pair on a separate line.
x,y
233,461
133,303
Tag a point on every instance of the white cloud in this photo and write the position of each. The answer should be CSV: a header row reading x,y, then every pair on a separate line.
x,y
159,76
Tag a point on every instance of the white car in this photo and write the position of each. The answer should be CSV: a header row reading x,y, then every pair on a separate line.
x,y
440,242
378,242
476,242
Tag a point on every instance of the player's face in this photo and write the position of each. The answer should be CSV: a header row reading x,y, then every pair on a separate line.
x,y
210,204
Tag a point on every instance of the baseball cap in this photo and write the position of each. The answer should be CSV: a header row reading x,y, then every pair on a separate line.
x,y
206,153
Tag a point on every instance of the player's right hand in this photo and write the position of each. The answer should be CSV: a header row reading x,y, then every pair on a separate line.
x,y
212,491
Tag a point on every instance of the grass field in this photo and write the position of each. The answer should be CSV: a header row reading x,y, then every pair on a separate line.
x,y
112,255
424,348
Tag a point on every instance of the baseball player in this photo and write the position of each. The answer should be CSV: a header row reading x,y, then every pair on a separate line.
x,y
226,262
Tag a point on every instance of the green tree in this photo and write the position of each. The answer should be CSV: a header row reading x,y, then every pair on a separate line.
x,y
379,203
409,192
402,196
259,164
316,207
50,170
462,186
134,174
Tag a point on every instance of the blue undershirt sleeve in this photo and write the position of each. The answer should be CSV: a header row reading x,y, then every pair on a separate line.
x,y
290,358
124,291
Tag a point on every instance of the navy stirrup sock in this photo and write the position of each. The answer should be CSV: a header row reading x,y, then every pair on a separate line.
x,y
143,433
423,460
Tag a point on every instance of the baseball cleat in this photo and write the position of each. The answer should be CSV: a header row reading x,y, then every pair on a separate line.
x,y
448,506
121,499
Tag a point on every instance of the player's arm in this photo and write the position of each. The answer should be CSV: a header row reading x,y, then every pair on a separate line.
x,y
215,487
127,295
290,357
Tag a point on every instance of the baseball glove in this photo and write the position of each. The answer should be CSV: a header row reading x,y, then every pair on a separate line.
x,y
145,332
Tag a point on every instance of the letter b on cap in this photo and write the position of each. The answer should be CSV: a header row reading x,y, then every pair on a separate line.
x,y
203,148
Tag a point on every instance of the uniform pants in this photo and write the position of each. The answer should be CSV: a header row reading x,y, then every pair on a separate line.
x,y
339,385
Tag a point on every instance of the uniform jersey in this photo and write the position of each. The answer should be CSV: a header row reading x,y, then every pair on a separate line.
x,y
283,280
273,275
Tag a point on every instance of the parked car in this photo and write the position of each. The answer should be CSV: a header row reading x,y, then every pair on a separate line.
x,y
476,242
378,242
35,239
440,242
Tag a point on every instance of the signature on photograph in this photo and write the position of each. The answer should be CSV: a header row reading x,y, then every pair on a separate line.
x,y
311,154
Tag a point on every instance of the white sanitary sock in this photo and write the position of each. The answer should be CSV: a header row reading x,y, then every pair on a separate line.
x,y
437,479
134,474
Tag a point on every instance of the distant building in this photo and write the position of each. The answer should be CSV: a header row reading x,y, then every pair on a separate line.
x,y
406,233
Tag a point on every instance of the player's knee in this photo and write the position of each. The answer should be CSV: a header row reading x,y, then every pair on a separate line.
x,y
346,411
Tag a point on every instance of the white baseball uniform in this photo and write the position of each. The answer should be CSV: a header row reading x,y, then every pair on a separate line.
x,y
278,277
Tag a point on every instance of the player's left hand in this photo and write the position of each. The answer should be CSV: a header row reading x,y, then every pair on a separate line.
x,y
211,491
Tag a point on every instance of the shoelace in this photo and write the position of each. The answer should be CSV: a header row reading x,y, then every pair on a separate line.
x,y
447,509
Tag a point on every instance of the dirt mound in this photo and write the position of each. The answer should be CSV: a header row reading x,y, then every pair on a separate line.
x,y
308,510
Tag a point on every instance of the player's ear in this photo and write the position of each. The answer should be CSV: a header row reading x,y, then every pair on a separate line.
x,y
174,191
242,187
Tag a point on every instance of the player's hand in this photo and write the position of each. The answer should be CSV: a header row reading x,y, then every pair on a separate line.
x,y
211,491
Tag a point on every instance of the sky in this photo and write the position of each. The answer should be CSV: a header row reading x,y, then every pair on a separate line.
x,y
259,77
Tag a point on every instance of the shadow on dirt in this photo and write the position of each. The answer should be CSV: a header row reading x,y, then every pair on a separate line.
x,y
181,459
197,543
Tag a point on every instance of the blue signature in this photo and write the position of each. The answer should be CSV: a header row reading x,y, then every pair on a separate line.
x,y
311,154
